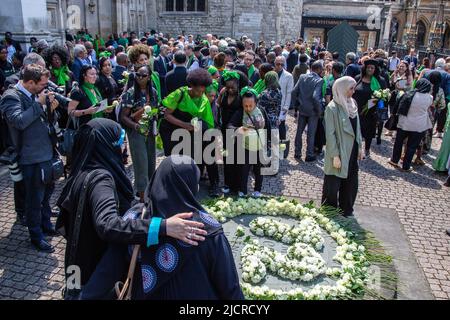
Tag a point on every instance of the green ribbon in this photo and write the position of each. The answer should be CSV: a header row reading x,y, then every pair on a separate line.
x,y
212,70
251,71
260,86
61,74
248,89
213,87
229,75
104,54
93,98
157,83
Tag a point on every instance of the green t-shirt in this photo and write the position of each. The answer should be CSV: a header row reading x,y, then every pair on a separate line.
x,y
197,108
123,42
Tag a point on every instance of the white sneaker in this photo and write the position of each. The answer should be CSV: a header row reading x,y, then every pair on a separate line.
x,y
241,194
225,190
256,194
438,135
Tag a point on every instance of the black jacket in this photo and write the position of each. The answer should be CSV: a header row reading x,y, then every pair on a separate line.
x,y
292,60
176,79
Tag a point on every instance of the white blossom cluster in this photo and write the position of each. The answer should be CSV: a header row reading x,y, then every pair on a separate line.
x,y
307,231
301,263
257,259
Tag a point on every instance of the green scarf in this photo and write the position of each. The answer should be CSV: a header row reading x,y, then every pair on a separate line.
x,y
260,86
157,83
94,99
374,84
251,71
61,74
197,108
326,81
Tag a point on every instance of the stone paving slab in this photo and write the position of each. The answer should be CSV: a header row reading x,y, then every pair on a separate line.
x,y
417,200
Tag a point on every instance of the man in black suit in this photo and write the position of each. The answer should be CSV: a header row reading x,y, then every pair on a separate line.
x,y
177,77
122,66
161,65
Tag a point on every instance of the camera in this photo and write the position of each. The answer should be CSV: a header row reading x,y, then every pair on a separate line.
x,y
10,158
59,93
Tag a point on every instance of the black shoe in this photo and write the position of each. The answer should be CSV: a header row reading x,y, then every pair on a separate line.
x,y
448,232
43,246
447,182
298,157
310,159
50,232
378,140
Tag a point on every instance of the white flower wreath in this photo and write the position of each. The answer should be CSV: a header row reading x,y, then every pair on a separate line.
x,y
302,262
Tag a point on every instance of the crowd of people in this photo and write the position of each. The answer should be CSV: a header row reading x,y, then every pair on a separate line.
x,y
98,102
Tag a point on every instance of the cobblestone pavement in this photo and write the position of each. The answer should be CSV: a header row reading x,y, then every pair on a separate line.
x,y
418,198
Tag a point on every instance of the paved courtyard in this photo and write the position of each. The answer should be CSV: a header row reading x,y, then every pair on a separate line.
x,y
418,199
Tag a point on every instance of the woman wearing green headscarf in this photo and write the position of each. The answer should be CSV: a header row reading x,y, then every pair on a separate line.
x,y
214,72
367,83
229,102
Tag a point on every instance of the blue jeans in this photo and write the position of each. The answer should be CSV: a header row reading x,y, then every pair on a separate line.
x,y
37,201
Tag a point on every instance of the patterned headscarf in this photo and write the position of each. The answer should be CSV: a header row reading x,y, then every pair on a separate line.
x,y
271,80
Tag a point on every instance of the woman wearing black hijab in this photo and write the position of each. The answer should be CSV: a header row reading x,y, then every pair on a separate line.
x,y
173,270
96,195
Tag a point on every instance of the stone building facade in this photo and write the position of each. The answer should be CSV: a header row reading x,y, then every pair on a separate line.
x,y
368,17
276,20
50,19
422,24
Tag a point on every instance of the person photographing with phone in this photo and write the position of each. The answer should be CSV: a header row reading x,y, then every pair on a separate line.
x,y
85,99
27,108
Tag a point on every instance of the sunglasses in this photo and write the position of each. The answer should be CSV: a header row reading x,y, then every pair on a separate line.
x,y
141,76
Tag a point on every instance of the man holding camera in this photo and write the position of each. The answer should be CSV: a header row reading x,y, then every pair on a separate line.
x,y
27,107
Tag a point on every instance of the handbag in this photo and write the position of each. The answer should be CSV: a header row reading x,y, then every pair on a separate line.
x,y
391,123
65,147
267,159
124,289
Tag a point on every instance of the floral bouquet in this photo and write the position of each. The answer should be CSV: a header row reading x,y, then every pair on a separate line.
x,y
382,94
126,76
379,98
148,121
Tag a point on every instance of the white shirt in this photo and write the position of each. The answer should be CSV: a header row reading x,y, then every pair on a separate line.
x,y
393,63
417,119
287,85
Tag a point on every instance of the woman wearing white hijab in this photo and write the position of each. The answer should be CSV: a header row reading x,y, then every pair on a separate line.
x,y
343,148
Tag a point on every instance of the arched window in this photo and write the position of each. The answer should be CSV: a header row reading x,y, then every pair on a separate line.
x,y
421,33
